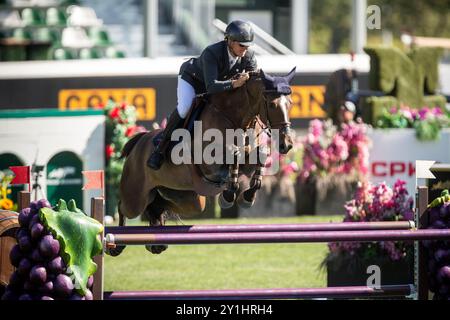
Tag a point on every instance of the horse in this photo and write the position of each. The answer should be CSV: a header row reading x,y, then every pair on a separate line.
x,y
262,103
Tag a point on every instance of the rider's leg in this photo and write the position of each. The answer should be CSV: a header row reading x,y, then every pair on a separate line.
x,y
186,95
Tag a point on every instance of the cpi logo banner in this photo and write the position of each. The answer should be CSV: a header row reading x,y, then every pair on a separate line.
x,y
394,153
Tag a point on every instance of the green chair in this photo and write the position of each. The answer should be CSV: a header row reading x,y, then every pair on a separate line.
x,y
113,53
99,37
22,34
89,53
55,17
48,35
62,54
32,17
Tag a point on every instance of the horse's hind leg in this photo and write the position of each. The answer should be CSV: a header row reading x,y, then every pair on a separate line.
x,y
247,198
155,213
114,252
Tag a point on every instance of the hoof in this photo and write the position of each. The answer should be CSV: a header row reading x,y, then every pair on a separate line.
x,y
243,203
114,252
156,249
224,203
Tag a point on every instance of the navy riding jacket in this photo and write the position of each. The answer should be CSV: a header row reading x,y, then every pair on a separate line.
x,y
211,71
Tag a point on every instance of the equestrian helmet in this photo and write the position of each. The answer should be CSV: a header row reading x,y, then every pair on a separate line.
x,y
241,32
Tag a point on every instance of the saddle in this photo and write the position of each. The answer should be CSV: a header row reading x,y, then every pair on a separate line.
x,y
198,104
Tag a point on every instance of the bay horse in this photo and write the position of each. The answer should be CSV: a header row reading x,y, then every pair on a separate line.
x,y
262,103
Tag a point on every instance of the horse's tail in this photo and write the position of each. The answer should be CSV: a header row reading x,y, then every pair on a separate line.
x,y
130,145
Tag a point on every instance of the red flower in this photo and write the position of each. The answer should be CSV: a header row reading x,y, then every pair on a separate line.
x,y
109,151
131,131
123,105
115,113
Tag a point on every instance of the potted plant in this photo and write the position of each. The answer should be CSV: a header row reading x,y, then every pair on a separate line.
x,y
427,122
347,262
333,161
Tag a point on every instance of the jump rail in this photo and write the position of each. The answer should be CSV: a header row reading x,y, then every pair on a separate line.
x,y
340,226
275,237
282,293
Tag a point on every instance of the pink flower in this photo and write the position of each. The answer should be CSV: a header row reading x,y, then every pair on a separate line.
x,y
316,127
423,113
377,203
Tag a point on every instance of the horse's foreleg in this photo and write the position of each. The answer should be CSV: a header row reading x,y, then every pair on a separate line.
x,y
156,217
117,250
228,196
247,198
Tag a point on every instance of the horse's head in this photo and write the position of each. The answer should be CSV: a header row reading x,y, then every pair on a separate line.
x,y
276,106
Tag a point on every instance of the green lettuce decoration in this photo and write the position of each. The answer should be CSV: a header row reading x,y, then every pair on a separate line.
x,y
445,197
78,238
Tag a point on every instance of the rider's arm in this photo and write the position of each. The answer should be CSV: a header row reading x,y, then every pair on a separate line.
x,y
211,73
252,63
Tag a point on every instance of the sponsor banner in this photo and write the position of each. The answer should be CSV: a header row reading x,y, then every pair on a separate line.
x,y
154,96
307,102
394,153
144,99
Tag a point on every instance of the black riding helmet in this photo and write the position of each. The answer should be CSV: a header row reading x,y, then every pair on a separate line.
x,y
241,32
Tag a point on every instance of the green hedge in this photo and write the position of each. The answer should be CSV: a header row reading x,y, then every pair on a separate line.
x,y
404,78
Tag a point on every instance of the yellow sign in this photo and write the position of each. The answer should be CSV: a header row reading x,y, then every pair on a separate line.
x,y
307,102
144,99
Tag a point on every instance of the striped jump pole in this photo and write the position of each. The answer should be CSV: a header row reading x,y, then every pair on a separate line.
x,y
282,293
276,237
337,226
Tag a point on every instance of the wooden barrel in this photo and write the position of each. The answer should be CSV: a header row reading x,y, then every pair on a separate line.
x,y
8,226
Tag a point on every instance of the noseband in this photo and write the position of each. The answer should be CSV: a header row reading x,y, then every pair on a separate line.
x,y
283,126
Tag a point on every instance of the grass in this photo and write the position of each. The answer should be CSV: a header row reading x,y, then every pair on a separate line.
x,y
221,266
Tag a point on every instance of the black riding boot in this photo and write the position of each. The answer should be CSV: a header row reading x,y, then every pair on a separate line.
x,y
157,157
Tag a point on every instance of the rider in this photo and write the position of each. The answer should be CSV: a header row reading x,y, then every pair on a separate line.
x,y
221,66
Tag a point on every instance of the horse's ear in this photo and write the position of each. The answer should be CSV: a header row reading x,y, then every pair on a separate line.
x,y
266,76
291,75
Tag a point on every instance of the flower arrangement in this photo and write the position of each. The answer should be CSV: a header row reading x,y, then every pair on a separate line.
x,y
377,203
6,203
327,151
120,127
427,122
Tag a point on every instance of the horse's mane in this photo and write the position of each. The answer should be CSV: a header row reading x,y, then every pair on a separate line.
x,y
130,144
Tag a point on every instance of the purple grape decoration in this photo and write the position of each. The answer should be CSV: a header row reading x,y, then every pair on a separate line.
x,y
63,286
49,247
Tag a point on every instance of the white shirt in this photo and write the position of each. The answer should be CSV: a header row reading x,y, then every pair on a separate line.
x,y
232,59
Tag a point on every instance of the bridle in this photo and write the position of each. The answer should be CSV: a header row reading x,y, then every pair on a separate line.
x,y
283,126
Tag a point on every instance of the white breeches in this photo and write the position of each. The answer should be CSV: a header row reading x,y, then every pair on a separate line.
x,y
185,94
